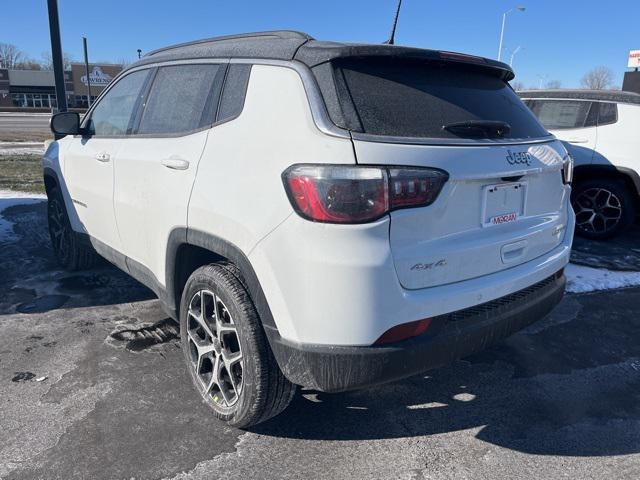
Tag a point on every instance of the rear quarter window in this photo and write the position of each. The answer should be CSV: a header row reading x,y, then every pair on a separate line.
x,y
608,113
234,93
416,99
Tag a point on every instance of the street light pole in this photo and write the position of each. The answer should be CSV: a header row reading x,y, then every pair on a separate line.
x,y
56,55
504,20
513,54
542,78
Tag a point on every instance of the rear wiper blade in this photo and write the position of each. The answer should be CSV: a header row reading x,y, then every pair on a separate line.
x,y
478,128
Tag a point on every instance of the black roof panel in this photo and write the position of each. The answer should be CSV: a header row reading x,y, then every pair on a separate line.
x,y
278,45
292,45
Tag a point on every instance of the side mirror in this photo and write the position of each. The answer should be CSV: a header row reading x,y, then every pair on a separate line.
x,y
65,123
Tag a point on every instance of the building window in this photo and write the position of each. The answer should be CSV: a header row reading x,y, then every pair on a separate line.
x,y
18,99
34,100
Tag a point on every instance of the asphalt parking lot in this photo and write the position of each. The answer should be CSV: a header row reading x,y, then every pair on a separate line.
x,y
92,385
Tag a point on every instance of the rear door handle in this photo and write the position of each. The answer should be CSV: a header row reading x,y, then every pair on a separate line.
x,y
175,163
103,157
578,140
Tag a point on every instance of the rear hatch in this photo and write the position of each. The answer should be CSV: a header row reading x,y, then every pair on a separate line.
x,y
505,201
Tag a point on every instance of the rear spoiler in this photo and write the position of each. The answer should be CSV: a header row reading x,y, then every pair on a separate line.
x,y
316,53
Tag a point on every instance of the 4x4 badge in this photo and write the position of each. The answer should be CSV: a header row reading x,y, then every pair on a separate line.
x,y
429,266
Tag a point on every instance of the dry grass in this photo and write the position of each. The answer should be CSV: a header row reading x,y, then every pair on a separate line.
x,y
21,172
25,136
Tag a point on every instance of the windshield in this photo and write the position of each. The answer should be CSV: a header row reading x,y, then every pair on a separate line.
x,y
418,99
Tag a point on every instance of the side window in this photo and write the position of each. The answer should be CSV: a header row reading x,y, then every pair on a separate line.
x,y
111,116
235,90
183,98
559,114
608,113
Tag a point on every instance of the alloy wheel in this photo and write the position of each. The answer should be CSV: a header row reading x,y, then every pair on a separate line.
x,y
214,349
598,210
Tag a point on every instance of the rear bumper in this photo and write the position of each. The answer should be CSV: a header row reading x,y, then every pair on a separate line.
x,y
450,336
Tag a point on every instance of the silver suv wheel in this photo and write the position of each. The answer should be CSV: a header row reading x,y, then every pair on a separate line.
x,y
226,349
215,351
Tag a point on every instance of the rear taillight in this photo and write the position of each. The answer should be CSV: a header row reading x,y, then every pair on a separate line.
x,y
359,194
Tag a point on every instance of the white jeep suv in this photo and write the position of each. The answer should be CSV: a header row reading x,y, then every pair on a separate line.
x,y
314,213
600,131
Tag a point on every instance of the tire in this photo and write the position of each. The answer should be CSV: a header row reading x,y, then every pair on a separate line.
x,y
604,208
70,251
249,387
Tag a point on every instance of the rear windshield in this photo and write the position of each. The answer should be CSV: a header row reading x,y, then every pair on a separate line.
x,y
411,99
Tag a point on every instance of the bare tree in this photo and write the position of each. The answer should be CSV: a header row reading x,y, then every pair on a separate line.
x,y
28,64
10,55
47,61
600,78
553,84
517,86
123,61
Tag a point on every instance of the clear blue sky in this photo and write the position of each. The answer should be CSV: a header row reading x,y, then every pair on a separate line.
x,y
560,40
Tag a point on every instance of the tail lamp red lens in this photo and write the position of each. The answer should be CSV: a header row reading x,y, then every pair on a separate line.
x,y
359,194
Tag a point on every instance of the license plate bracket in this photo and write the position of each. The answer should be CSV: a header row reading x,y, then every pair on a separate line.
x,y
503,203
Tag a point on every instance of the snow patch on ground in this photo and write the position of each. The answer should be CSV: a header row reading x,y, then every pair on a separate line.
x,y
586,279
21,148
8,199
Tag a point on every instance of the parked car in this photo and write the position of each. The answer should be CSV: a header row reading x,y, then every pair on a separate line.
x,y
314,213
600,130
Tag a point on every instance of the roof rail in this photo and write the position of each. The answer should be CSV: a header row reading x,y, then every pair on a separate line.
x,y
280,34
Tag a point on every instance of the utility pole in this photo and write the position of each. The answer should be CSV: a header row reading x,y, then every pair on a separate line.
x,y
139,54
519,8
56,55
513,54
86,69
542,79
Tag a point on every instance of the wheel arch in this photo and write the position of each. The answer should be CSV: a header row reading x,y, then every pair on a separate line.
x,y
630,177
189,249
50,179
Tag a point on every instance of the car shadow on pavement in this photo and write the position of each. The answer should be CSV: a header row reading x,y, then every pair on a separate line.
x,y
569,385
618,253
33,282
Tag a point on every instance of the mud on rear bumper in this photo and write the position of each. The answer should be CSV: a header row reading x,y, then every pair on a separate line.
x,y
449,337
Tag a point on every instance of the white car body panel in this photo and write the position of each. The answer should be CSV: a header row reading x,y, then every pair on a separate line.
x,y
584,139
337,284
283,132
147,180
619,143
449,241
89,178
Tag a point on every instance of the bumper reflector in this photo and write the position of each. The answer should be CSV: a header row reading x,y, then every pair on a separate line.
x,y
404,331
